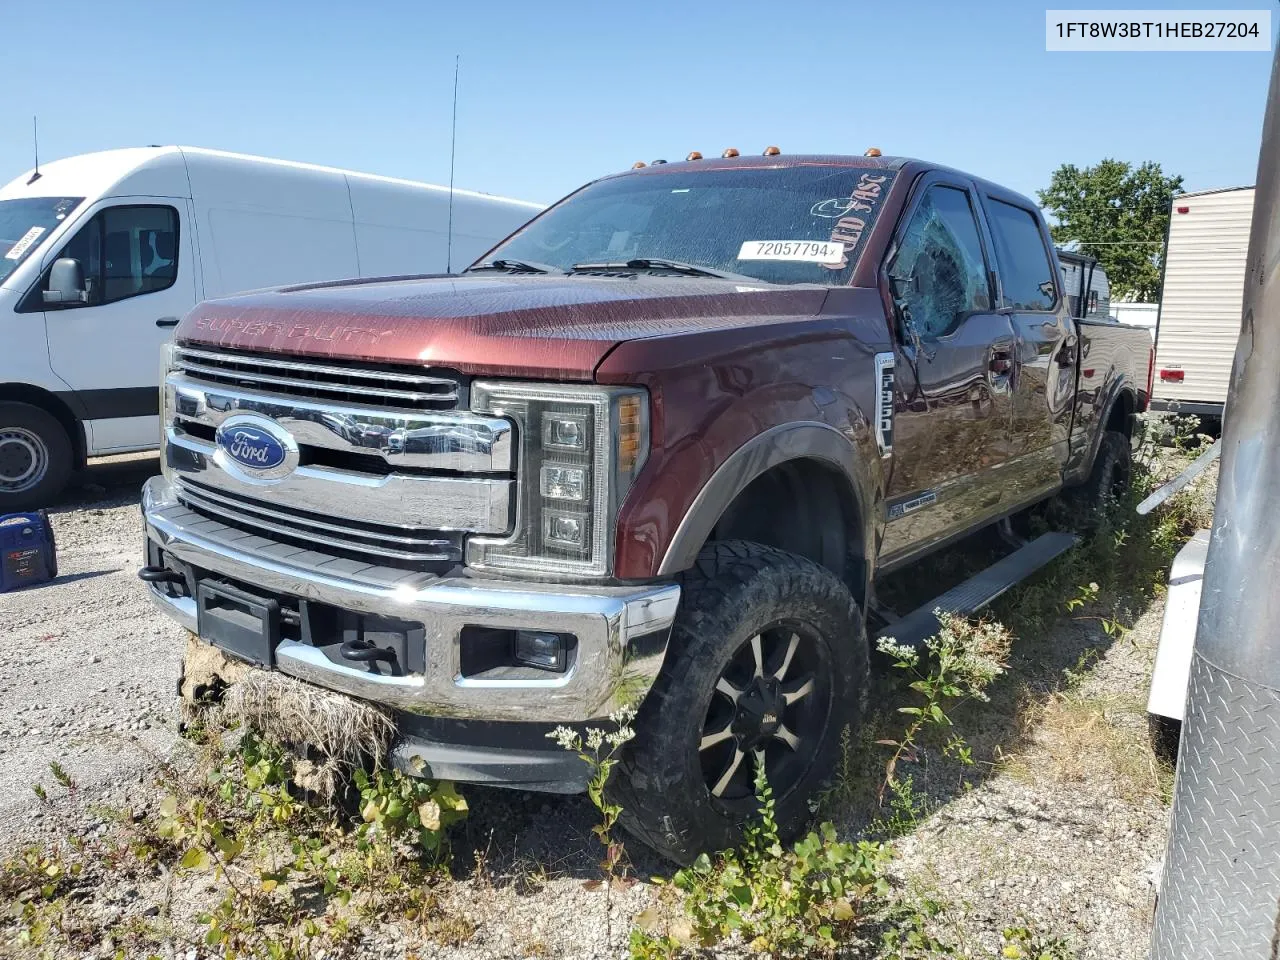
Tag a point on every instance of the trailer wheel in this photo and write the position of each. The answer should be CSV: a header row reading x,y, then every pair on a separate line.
x,y
35,457
767,663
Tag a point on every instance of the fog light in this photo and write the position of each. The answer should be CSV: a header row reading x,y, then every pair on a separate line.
x,y
546,651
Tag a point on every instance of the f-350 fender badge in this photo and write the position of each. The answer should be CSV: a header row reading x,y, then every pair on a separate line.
x,y
884,402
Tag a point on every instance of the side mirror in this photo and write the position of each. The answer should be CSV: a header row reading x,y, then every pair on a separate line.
x,y
66,282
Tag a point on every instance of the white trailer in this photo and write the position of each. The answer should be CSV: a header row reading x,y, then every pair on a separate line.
x,y
101,254
1200,301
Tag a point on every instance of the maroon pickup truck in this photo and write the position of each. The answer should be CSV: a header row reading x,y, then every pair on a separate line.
x,y
653,450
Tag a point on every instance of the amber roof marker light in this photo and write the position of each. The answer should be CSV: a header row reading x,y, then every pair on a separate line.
x,y
694,155
638,164
731,152
771,152
872,152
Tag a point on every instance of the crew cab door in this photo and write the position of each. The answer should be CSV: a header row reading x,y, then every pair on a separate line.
x,y
1044,389
955,366
139,281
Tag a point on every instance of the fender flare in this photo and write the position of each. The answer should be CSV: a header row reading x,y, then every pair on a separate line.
x,y
791,441
1120,385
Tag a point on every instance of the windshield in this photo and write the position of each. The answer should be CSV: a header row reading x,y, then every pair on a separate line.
x,y
803,224
26,223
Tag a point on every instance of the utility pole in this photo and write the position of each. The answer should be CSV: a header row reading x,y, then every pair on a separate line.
x,y
1220,894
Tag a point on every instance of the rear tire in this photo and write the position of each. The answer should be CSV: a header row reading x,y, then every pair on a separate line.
x,y
35,457
1112,467
768,654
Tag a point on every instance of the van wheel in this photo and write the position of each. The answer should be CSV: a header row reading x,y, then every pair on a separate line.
x,y
767,663
35,457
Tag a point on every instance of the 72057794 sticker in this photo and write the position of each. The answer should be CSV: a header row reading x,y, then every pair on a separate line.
x,y
807,251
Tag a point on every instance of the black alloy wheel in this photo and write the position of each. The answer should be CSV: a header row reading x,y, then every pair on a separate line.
x,y
771,704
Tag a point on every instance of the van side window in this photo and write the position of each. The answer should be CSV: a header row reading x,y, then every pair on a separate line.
x,y
126,252
939,272
1026,274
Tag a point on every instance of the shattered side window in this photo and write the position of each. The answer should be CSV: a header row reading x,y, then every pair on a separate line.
x,y
939,269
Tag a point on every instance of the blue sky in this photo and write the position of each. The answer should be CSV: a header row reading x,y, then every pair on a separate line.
x,y
555,93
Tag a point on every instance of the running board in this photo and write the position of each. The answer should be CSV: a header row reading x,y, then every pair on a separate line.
x,y
979,590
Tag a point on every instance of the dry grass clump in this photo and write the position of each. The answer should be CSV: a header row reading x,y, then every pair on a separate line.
x,y
1074,739
334,733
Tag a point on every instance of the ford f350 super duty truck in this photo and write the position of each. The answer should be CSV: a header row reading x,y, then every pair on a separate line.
x,y
653,449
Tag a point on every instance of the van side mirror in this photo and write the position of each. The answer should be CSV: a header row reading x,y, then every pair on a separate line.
x,y
66,282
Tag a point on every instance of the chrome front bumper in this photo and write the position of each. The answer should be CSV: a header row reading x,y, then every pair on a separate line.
x,y
621,631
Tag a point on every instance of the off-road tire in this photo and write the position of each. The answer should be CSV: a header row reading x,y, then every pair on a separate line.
x,y
1112,466
31,425
734,590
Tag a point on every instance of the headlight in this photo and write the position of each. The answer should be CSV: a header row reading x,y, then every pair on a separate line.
x,y
168,354
581,448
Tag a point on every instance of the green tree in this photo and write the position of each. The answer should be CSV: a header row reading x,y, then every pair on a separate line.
x,y
1118,213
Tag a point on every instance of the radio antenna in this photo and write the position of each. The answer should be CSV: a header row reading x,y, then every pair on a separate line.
x,y
35,145
453,150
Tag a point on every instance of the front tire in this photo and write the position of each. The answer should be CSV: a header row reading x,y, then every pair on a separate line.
x,y
768,659
35,457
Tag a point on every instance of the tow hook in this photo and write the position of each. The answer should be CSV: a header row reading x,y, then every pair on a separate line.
x,y
364,651
160,575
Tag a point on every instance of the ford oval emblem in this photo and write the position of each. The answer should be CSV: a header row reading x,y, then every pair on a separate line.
x,y
257,446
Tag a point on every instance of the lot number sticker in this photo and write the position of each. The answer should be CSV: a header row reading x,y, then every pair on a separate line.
x,y
19,248
807,251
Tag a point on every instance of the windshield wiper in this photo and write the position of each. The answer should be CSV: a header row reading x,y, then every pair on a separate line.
x,y
659,263
516,266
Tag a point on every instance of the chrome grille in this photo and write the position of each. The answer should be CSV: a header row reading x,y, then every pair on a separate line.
x,y
406,547
399,388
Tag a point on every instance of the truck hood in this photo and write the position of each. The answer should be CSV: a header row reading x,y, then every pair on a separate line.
x,y
548,327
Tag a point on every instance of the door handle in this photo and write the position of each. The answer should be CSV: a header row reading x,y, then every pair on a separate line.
x,y
167,322
1000,366
1067,355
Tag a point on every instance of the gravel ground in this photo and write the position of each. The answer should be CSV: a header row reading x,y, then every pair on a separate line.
x,y
87,667
1068,833
1062,826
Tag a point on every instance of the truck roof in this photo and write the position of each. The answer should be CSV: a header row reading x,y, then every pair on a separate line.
x,y
911,165
776,161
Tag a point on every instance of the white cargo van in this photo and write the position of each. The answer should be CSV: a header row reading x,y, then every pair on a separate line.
x,y
1201,300
101,254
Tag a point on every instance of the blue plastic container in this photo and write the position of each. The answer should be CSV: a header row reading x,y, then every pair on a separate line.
x,y
28,555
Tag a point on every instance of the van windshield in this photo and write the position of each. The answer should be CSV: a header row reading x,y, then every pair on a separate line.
x,y
27,223
801,224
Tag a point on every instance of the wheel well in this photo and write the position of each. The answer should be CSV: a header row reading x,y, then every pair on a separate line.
x,y
804,507
48,402
1121,417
